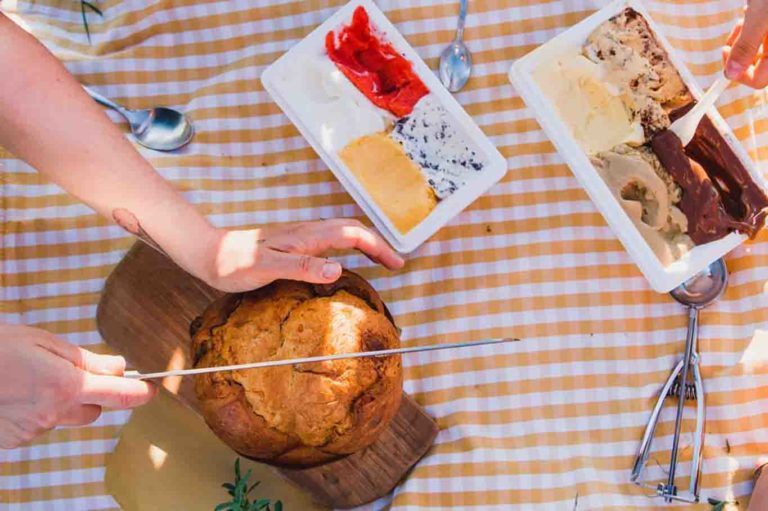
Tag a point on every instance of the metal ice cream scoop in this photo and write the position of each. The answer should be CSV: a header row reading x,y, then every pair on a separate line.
x,y
456,60
159,128
696,293
685,126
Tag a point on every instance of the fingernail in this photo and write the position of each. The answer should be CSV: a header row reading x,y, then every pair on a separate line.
x,y
733,70
331,270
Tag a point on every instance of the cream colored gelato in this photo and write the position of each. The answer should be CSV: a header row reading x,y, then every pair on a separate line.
x,y
637,64
334,110
649,197
588,104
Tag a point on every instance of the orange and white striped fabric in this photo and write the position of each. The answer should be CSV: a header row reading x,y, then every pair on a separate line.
x,y
549,423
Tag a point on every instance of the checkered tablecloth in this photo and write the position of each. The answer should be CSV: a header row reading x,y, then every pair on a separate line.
x,y
549,423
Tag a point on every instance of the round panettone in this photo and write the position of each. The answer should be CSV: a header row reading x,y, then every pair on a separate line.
x,y
302,414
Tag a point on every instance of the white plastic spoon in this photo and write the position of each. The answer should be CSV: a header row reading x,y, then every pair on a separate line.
x,y
685,127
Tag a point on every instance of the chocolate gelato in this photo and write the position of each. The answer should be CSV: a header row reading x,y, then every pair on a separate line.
x,y
719,195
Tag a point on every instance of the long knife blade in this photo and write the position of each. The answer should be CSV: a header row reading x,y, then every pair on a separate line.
x,y
309,360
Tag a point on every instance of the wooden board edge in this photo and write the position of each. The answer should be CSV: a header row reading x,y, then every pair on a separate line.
x,y
304,477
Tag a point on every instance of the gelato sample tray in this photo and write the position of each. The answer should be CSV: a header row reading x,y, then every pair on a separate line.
x,y
395,138
605,92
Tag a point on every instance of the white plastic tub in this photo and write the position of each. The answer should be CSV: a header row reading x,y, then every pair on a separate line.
x,y
494,170
661,279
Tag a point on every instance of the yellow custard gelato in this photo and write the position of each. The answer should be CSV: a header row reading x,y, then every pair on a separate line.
x,y
394,182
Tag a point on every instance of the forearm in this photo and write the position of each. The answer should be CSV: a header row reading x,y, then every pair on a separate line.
x,y
47,120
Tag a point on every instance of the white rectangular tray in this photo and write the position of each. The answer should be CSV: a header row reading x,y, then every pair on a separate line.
x,y
447,208
661,279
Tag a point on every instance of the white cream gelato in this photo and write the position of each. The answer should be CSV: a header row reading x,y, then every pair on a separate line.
x,y
330,105
589,105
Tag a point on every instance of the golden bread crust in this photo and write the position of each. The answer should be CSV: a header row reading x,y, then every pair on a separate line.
x,y
303,414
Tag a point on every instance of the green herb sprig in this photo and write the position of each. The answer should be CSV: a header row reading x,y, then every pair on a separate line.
x,y
83,5
239,491
719,505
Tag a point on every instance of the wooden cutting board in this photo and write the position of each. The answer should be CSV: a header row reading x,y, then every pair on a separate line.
x,y
144,314
154,468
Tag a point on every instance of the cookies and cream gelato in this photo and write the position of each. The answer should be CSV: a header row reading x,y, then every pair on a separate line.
x,y
447,157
